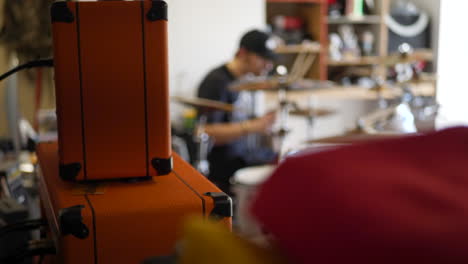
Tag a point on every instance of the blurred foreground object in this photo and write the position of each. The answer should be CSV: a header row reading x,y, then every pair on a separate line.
x,y
402,200
210,242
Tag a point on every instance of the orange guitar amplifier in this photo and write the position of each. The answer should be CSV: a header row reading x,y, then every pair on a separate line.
x,y
111,77
120,221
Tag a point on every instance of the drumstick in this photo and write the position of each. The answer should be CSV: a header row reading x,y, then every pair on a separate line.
x,y
302,67
306,66
299,60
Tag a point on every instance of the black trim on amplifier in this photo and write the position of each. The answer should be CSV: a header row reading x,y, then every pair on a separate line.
x,y
162,166
60,12
94,229
71,222
80,72
158,11
194,191
222,205
69,172
145,89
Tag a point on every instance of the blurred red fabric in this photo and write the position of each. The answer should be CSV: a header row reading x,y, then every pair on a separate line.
x,y
396,201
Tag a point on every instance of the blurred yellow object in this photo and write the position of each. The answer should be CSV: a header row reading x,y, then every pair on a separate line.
x,y
190,119
190,113
210,242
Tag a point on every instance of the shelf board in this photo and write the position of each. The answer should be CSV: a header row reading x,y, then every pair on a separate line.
x,y
371,19
313,47
355,93
418,55
363,61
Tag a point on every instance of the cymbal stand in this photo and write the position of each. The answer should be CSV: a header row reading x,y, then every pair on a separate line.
x,y
252,139
203,142
284,106
310,121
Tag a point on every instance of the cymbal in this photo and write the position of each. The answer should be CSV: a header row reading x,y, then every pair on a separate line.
x,y
205,104
312,112
273,84
255,85
356,136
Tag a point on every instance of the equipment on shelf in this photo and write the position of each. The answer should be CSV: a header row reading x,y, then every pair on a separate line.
x,y
408,24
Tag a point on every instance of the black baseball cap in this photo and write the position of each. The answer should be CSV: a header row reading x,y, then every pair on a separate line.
x,y
259,43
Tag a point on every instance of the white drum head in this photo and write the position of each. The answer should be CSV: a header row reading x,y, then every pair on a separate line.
x,y
253,176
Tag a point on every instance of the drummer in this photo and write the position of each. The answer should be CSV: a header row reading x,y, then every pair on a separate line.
x,y
229,130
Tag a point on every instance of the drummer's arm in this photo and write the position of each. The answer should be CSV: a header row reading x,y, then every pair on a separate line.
x,y
224,133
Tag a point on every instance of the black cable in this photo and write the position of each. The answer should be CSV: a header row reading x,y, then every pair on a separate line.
x,y
35,248
28,65
23,225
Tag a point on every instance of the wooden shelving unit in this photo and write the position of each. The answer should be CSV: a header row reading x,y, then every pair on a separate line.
x,y
314,14
376,24
318,25
361,61
313,47
371,19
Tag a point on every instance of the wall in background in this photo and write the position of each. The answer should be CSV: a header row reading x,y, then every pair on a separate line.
x,y
453,55
204,34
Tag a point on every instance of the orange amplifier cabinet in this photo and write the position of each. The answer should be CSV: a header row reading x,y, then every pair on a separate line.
x,y
121,221
111,77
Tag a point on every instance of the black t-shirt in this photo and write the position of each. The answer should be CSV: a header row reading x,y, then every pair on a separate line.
x,y
226,159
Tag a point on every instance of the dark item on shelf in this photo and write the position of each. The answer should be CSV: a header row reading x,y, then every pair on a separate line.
x,y
336,8
408,27
289,28
369,7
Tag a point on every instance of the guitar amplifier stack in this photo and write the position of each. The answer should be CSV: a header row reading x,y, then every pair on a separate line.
x,y
111,188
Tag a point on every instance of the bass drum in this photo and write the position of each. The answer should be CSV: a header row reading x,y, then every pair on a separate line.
x,y
245,184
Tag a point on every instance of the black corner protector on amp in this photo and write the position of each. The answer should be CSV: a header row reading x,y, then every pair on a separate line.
x,y
61,13
158,11
71,222
222,205
162,166
69,172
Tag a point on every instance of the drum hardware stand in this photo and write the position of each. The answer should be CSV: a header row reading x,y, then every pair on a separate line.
x,y
203,143
405,73
284,107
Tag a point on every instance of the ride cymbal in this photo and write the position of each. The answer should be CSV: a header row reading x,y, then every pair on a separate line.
x,y
205,104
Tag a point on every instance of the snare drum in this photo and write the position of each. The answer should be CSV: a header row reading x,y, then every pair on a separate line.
x,y
245,184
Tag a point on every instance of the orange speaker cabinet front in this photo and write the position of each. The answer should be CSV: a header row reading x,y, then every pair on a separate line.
x,y
111,78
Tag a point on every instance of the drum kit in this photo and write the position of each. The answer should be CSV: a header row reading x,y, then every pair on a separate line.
x,y
373,126
369,127
285,109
